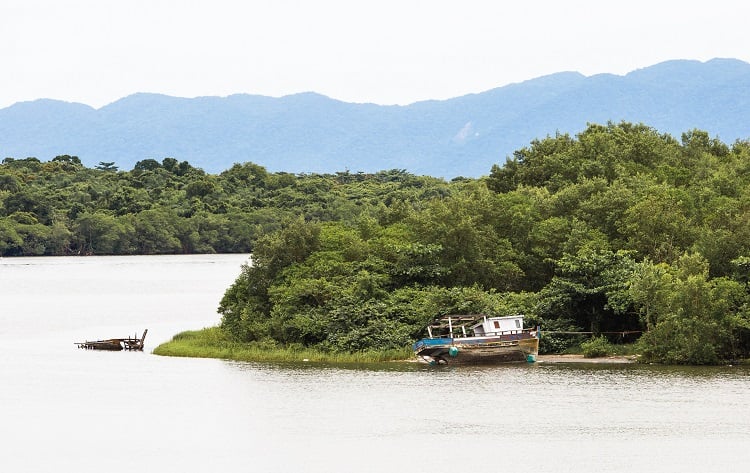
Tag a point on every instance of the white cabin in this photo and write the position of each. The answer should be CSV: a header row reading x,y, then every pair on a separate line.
x,y
498,325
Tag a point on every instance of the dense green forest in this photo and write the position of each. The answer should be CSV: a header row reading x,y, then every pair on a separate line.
x,y
617,229
61,207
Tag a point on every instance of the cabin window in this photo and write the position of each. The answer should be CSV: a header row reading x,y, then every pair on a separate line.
x,y
518,323
497,324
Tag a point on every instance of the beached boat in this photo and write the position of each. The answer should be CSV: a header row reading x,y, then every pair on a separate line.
x,y
476,339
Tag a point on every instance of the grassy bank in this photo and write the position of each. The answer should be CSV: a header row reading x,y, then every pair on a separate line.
x,y
213,343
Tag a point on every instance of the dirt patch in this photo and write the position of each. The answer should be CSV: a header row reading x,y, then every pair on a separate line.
x,y
581,359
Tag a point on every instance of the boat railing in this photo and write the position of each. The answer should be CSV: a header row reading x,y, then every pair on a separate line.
x,y
530,331
504,332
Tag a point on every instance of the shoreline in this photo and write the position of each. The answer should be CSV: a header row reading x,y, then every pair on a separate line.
x,y
212,343
616,359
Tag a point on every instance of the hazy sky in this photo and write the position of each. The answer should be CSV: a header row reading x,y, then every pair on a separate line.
x,y
402,51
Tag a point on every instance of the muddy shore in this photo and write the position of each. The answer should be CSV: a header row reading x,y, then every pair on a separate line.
x,y
581,359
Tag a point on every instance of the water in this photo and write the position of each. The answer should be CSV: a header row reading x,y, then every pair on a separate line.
x,y
64,409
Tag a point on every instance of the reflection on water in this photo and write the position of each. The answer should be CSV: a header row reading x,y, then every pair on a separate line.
x,y
65,409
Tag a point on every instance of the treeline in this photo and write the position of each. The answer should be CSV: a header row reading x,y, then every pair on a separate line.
x,y
61,207
617,229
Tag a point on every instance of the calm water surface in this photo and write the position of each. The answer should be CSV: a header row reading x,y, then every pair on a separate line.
x,y
64,409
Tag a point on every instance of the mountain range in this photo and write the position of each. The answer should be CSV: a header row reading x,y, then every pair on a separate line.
x,y
308,132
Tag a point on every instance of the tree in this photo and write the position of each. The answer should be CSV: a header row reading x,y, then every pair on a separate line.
x,y
66,158
155,232
692,319
590,288
9,183
547,162
649,288
200,188
107,166
10,240
147,165
657,226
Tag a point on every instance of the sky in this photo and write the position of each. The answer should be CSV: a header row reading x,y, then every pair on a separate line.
x,y
385,51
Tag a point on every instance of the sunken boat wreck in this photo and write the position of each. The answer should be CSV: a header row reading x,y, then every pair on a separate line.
x,y
478,339
115,344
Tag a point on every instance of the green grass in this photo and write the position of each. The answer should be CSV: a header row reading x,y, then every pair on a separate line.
x,y
214,343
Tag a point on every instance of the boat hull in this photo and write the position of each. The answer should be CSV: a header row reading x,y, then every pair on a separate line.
x,y
477,350
115,344
110,345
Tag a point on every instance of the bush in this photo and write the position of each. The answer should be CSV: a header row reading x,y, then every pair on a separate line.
x,y
596,347
681,342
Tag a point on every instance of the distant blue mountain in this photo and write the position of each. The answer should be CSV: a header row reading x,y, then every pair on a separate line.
x,y
463,136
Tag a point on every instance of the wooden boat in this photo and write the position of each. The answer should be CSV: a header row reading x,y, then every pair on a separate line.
x,y
115,344
487,340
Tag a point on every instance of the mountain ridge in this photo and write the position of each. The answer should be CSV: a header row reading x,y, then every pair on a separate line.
x,y
310,132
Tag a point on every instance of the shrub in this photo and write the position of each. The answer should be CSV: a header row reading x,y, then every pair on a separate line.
x,y
596,347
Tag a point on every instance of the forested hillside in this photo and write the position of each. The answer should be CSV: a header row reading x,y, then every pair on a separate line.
x,y
619,228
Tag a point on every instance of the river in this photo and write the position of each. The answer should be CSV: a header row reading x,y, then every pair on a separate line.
x,y
65,409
